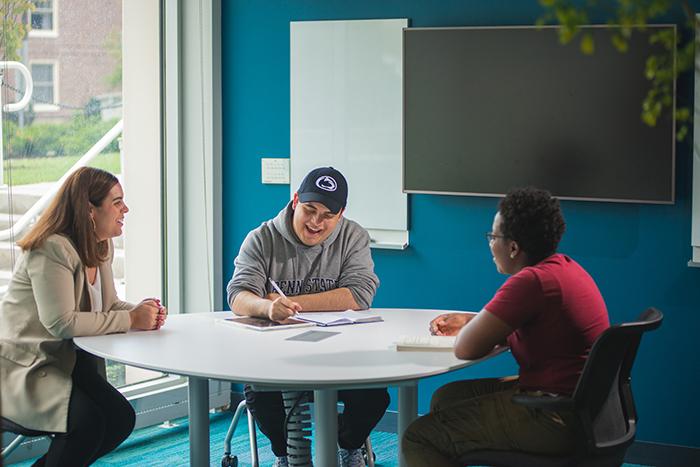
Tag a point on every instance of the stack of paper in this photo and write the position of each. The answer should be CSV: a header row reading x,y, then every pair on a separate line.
x,y
335,318
426,343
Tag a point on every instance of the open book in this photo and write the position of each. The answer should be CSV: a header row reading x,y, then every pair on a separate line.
x,y
426,343
335,318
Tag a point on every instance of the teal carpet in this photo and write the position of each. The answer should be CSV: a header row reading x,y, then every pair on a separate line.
x,y
158,446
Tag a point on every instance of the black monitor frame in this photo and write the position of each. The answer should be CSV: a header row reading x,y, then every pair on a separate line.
x,y
594,173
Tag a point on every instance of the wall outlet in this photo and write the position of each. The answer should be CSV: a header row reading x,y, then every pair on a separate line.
x,y
275,170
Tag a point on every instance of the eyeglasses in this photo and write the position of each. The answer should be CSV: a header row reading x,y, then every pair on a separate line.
x,y
490,236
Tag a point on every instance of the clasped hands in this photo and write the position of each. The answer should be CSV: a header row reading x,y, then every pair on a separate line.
x,y
148,315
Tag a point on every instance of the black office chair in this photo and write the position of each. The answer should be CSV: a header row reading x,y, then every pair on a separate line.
x,y
602,401
8,426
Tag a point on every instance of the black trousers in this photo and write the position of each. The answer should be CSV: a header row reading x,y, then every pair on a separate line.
x,y
99,419
363,410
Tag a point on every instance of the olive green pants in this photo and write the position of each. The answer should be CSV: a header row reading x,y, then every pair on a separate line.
x,y
478,414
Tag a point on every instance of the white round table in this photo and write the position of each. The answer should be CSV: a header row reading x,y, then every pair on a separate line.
x,y
200,347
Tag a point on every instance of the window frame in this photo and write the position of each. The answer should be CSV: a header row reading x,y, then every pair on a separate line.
x,y
45,107
46,33
153,399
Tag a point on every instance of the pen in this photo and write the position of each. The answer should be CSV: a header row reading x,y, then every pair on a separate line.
x,y
277,289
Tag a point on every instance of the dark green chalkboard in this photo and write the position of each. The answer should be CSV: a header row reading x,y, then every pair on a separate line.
x,y
488,109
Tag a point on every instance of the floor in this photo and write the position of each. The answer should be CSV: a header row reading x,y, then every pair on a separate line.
x,y
168,446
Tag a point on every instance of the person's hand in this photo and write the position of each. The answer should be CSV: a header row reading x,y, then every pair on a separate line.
x,y
162,315
162,312
449,324
282,308
147,315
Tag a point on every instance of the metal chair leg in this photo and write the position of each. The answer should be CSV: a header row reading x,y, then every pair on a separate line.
x,y
253,439
232,427
251,434
12,446
370,453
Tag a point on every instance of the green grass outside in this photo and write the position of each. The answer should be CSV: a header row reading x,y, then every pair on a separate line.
x,y
49,169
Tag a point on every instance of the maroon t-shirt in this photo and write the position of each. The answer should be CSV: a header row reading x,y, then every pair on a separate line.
x,y
557,312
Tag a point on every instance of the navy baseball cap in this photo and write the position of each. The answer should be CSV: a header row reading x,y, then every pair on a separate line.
x,y
324,185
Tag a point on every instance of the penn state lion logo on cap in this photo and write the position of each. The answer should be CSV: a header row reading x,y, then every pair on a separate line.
x,y
326,182
324,185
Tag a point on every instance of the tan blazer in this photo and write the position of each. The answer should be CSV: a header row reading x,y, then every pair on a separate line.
x,y
46,305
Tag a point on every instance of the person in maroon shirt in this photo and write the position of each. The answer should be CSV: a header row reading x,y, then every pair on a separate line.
x,y
549,312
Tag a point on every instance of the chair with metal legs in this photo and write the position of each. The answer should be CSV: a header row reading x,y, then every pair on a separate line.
x,y
232,461
8,426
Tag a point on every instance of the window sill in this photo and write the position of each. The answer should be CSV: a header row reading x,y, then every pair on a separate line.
x,y
164,382
43,34
46,108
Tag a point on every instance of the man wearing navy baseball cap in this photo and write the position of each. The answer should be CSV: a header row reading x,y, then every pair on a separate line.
x,y
321,261
327,186
325,190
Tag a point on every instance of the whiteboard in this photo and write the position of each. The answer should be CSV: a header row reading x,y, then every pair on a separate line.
x,y
347,112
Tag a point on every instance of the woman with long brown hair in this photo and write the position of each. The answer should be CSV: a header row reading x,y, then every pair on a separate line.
x,y
63,287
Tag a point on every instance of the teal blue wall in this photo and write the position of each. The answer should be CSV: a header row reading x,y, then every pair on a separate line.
x,y
636,253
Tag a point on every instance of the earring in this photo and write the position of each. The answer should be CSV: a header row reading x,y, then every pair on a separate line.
x,y
512,255
94,225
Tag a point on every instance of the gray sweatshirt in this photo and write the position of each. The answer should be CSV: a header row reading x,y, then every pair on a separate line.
x,y
273,250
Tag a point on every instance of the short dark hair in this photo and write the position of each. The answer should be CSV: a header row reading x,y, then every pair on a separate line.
x,y
533,218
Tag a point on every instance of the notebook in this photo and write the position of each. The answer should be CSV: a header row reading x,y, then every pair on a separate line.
x,y
262,324
426,343
336,318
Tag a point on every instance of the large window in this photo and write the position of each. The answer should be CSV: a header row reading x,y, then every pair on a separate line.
x,y
76,100
96,38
